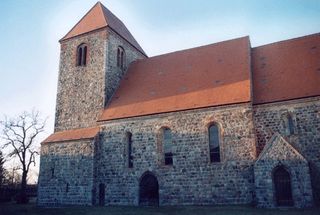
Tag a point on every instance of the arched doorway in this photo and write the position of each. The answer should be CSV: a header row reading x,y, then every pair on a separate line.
x,y
282,185
148,190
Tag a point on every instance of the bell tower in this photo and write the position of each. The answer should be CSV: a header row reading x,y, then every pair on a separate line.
x,y
94,56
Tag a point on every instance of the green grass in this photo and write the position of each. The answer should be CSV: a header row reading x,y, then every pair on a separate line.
x,y
14,209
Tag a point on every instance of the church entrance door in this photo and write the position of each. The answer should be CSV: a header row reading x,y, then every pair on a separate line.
x,y
282,185
148,190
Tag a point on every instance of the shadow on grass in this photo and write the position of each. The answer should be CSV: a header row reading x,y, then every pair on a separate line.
x,y
32,209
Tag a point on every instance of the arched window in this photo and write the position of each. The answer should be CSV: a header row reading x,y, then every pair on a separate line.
x,y
120,57
82,55
167,146
214,143
288,124
129,144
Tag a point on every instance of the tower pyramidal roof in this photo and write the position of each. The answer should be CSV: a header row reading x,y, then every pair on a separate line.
x,y
99,17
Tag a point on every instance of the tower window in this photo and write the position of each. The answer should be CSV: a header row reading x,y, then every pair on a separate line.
x,y
167,146
82,55
214,143
120,57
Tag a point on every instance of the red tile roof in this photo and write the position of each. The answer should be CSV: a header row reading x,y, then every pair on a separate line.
x,y
76,134
206,76
286,70
99,17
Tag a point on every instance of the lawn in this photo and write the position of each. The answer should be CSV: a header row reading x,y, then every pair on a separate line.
x,y
14,209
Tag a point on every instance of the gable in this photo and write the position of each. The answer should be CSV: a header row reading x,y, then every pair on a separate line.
x,y
212,75
278,148
286,70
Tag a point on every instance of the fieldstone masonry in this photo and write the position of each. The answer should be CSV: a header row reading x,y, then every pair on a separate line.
x,y
66,173
192,179
79,84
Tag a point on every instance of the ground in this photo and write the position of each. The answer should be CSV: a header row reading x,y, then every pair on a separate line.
x,y
32,209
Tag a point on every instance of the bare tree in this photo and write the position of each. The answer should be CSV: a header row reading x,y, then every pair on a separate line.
x,y
2,170
20,135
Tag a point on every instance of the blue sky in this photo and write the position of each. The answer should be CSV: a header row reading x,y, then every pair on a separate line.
x,y
30,30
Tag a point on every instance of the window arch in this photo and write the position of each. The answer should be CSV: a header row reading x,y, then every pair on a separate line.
x,y
214,143
167,146
82,55
129,145
120,58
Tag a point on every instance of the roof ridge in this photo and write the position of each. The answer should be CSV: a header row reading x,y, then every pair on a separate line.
x,y
192,48
287,40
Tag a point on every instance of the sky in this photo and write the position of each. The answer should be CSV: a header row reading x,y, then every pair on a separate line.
x,y
30,31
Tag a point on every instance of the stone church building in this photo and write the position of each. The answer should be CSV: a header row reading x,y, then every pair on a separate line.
x,y
224,123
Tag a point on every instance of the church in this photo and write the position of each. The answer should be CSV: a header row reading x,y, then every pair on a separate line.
x,y
220,124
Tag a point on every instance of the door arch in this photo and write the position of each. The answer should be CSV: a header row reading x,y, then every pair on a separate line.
x,y
282,186
148,190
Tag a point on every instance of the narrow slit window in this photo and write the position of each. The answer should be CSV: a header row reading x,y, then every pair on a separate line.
x,y
122,59
67,187
118,58
290,125
84,55
79,56
52,172
130,156
167,146
214,143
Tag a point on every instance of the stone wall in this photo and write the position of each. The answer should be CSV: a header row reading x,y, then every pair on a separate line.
x,y
306,137
80,95
192,179
114,74
66,173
